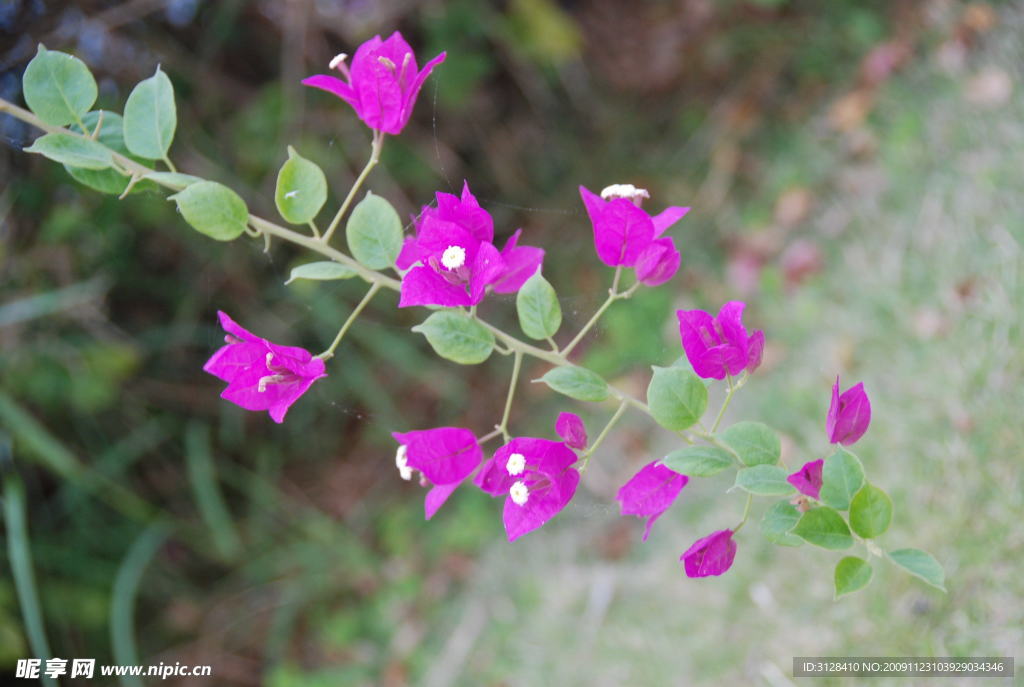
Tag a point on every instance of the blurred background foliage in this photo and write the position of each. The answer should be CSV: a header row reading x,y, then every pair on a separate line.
x,y
854,175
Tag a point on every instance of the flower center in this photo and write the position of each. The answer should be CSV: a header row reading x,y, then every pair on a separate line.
x,y
519,493
453,257
516,464
402,463
337,59
627,191
281,374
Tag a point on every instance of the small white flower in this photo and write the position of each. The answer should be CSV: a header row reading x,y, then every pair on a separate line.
x,y
516,464
628,191
337,59
453,257
519,493
402,463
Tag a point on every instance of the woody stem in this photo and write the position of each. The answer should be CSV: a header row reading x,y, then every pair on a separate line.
x,y
746,513
378,142
604,432
329,353
517,364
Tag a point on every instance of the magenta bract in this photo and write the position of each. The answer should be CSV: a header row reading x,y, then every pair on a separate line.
x,y
625,235
807,479
262,375
535,476
650,492
570,427
848,415
382,83
444,455
658,262
453,259
720,346
712,555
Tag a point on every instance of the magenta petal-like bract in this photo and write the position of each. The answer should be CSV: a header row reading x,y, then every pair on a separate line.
x,y
262,375
445,455
658,262
383,82
719,346
712,555
570,427
807,479
436,497
848,415
453,260
621,229
667,217
539,473
521,263
650,492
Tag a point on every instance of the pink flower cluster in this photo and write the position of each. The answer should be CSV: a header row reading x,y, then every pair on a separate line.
x,y
451,261
536,476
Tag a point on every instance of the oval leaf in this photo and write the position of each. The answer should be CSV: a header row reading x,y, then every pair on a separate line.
x,y
870,512
213,209
301,189
540,315
456,337
755,443
325,270
577,382
841,477
920,564
72,150
852,574
698,461
677,398
374,232
777,523
764,480
150,117
111,135
58,87
824,527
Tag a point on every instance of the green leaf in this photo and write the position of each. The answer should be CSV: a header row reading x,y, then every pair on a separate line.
x,y
777,523
374,232
111,135
920,564
764,480
577,382
72,150
325,270
870,512
755,443
175,180
456,337
824,527
301,189
841,477
540,315
213,209
698,461
677,398
852,574
58,87
150,117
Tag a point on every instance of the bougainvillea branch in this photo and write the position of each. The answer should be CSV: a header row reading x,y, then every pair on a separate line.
x,y
451,264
